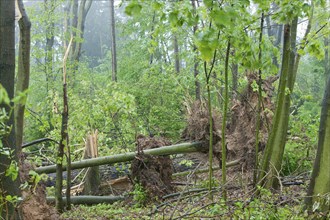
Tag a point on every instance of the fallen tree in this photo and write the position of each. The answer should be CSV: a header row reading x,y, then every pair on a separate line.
x,y
166,150
89,200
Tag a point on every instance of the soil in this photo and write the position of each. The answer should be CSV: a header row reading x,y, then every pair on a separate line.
x,y
34,205
241,125
154,173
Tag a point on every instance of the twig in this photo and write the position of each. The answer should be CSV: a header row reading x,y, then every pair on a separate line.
x,y
39,141
204,170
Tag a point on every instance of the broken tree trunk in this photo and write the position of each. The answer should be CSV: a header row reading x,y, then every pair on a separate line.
x,y
166,150
92,181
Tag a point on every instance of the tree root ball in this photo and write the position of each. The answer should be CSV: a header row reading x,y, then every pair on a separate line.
x,y
154,173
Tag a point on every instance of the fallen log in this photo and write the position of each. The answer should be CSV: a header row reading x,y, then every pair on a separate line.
x,y
88,200
166,150
204,170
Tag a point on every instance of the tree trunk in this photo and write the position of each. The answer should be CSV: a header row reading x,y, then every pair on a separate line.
x,y
275,146
64,142
176,53
23,72
90,200
7,78
274,30
319,187
167,150
49,7
196,64
79,11
234,73
224,122
151,36
326,58
113,42
92,180
259,109
84,7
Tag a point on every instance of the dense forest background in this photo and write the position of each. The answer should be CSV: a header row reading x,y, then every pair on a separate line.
x,y
146,71
139,68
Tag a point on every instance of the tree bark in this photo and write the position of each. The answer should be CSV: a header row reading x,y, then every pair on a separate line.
x,y
274,30
113,42
176,53
49,6
326,58
272,159
224,122
275,145
196,64
168,150
7,79
79,11
23,72
259,109
319,185
63,143
92,180
234,73
50,26
90,200
151,36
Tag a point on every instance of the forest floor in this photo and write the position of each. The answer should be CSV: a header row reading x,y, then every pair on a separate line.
x,y
191,199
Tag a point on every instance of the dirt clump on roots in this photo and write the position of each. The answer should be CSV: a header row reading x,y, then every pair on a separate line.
x,y
153,173
198,126
241,131
241,123
34,205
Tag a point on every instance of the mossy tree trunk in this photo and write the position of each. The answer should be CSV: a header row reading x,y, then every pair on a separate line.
x,y
319,187
166,150
272,160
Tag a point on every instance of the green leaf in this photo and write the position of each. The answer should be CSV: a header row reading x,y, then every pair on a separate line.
x,y
11,199
316,50
206,52
220,17
175,19
134,8
4,98
157,5
263,4
208,3
254,86
12,171
20,98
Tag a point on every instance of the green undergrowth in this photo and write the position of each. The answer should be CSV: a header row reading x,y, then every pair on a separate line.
x,y
199,206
